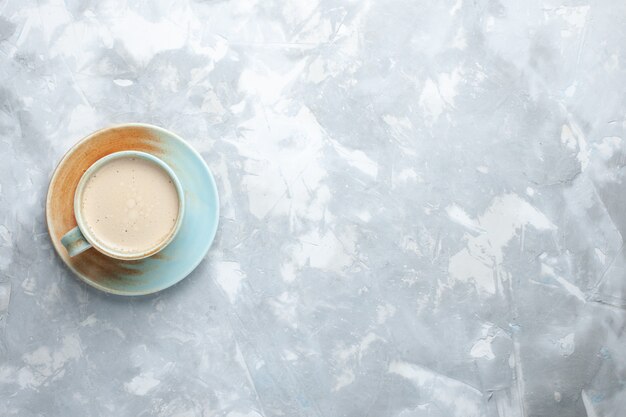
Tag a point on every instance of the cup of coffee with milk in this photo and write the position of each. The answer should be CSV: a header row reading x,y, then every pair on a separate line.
x,y
128,205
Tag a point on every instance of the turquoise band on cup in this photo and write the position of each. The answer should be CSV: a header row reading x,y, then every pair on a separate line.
x,y
75,242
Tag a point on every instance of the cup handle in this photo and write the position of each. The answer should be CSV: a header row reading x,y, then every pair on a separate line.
x,y
75,242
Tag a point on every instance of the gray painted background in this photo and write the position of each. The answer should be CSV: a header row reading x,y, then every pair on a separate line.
x,y
422,205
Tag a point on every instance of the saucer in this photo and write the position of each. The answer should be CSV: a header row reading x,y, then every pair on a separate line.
x,y
196,233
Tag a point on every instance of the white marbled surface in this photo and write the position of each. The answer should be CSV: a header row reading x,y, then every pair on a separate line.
x,y
423,208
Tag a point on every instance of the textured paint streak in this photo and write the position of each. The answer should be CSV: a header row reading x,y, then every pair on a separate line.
x,y
142,384
568,286
229,277
455,397
480,261
591,412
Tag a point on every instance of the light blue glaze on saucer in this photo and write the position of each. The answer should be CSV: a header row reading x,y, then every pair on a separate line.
x,y
199,225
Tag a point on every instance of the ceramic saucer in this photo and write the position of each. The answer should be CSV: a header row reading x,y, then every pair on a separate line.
x,y
182,255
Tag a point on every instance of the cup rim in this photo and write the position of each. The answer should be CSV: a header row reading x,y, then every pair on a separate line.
x,y
86,231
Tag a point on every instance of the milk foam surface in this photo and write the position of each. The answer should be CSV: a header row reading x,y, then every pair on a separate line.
x,y
130,205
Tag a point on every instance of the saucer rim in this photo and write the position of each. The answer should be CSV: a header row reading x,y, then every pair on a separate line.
x,y
209,241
